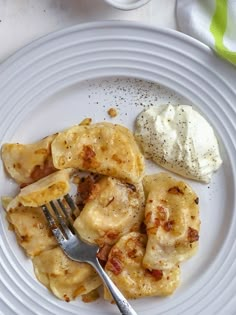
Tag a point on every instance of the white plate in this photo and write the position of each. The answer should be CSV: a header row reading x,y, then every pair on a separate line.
x,y
81,72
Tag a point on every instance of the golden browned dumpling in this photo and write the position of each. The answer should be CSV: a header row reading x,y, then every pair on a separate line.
x,y
26,163
102,148
31,229
172,221
51,187
124,266
66,278
114,208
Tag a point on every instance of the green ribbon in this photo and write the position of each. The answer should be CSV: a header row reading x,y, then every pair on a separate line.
x,y
218,27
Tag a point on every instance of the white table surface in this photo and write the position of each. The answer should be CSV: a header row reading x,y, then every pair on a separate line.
x,y
22,21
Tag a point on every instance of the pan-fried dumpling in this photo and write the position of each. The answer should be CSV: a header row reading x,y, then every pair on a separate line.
x,y
26,163
172,221
31,229
49,188
102,148
114,208
124,267
66,278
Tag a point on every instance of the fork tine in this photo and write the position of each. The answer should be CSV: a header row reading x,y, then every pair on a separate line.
x,y
61,220
71,205
56,231
70,202
68,217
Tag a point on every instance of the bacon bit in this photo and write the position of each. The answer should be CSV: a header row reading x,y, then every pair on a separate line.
x,y
193,235
157,222
66,298
41,171
192,217
112,235
114,263
151,201
157,274
88,155
25,238
196,201
168,225
104,252
112,112
132,253
85,188
161,213
175,191
134,243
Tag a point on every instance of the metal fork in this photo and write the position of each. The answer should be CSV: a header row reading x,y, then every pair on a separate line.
x,y
78,250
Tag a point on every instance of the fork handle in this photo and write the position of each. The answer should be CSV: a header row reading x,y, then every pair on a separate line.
x,y
123,305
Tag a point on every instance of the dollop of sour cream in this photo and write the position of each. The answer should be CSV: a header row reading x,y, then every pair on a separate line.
x,y
179,139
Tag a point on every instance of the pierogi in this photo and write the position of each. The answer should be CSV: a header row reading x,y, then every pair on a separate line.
x,y
66,278
172,221
27,163
102,148
125,268
113,209
46,189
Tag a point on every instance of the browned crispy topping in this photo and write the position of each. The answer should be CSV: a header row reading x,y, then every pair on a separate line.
x,y
88,156
114,263
104,252
41,171
132,253
112,235
157,274
175,191
85,188
66,298
112,112
193,235
161,213
168,225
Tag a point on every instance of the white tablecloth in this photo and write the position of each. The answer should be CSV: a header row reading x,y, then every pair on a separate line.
x,y
22,21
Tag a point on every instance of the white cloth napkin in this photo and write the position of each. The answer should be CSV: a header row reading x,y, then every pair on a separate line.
x,y
212,22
